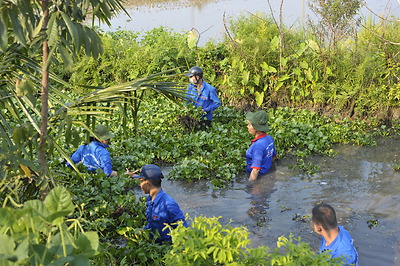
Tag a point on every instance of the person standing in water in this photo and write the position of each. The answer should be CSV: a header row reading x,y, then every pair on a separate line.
x,y
261,153
335,239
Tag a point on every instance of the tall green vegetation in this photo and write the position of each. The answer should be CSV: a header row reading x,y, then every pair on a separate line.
x,y
35,37
336,20
286,71
54,27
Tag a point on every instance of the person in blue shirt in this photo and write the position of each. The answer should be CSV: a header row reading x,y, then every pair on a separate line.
x,y
201,94
335,239
161,208
95,154
261,153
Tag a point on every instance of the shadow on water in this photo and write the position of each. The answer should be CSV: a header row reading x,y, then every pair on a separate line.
x,y
359,183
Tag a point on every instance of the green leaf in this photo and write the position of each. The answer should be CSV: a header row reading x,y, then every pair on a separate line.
x,y
66,56
245,77
59,242
3,34
7,245
52,30
22,251
192,39
41,255
24,87
72,30
259,97
18,31
59,203
38,28
7,217
37,211
80,260
313,45
88,243
274,43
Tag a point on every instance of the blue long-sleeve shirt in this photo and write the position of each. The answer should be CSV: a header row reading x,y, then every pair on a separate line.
x,y
93,155
163,210
207,98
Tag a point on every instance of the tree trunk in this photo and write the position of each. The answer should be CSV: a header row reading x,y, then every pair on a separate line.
x,y
45,106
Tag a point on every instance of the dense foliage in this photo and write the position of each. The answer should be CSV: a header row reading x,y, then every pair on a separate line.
x,y
315,97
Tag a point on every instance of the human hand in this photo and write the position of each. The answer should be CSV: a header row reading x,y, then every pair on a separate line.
x,y
130,173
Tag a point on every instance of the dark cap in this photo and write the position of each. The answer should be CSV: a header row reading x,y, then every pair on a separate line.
x,y
195,71
150,171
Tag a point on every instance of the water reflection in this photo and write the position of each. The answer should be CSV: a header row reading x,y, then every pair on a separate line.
x,y
259,191
359,183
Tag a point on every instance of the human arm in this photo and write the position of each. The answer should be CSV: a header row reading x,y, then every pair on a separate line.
x,y
257,155
105,162
175,214
76,157
254,174
213,100
128,172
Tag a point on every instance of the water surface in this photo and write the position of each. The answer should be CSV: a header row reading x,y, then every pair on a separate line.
x,y
359,183
207,17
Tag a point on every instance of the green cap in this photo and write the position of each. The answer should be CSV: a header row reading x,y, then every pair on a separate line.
x,y
102,133
259,120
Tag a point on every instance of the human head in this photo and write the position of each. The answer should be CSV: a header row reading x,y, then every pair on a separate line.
x,y
101,133
259,120
152,173
195,71
324,215
195,75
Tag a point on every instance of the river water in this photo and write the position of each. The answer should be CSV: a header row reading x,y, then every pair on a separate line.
x,y
207,17
359,182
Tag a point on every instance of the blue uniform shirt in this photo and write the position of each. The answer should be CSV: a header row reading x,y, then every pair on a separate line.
x,y
93,155
342,245
207,99
260,154
163,210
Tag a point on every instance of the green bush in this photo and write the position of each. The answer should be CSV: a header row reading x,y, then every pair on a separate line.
x,y
41,233
207,242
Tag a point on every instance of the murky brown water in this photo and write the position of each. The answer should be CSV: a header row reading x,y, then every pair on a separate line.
x,y
359,183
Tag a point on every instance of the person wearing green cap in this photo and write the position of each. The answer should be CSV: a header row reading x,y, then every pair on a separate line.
x,y
95,154
261,153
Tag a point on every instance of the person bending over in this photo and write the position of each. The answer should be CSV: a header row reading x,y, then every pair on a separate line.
x,y
95,154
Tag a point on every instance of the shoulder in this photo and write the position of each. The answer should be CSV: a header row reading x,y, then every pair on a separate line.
x,y
266,140
208,86
169,200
